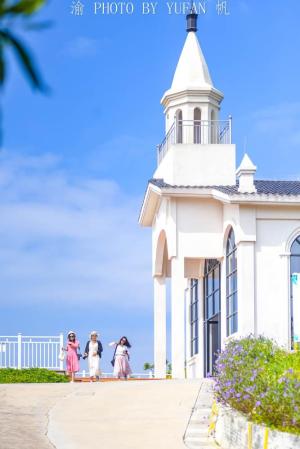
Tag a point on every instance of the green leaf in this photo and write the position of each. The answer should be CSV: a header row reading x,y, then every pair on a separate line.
x,y
24,58
2,3
26,7
2,64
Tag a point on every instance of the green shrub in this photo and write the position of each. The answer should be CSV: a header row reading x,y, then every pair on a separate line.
x,y
261,380
30,375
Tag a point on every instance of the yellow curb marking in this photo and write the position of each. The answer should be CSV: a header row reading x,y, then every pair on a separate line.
x,y
249,435
266,438
213,418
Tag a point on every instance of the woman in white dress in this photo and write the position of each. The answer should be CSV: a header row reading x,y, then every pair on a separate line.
x,y
121,358
93,352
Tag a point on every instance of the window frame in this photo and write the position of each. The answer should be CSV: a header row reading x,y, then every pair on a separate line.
x,y
294,255
231,285
211,265
194,317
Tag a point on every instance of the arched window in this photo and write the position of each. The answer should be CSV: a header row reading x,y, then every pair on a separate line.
x,y
295,294
213,128
197,125
231,285
179,126
295,249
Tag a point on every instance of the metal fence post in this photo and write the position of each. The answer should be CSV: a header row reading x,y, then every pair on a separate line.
x,y
61,343
175,129
230,128
19,362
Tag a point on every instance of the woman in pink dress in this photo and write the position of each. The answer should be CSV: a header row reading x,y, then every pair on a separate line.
x,y
121,358
72,358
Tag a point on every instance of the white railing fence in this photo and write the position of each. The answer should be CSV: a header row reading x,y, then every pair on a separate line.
x,y
148,375
196,132
22,351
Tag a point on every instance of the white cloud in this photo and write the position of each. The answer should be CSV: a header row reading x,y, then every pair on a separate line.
x,y
280,123
69,239
281,118
84,46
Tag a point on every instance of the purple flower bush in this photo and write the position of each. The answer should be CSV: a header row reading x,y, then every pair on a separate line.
x,y
260,380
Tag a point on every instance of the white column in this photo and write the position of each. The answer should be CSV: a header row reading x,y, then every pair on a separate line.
x,y
187,306
200,370
223,303
246,288
160,335
177,314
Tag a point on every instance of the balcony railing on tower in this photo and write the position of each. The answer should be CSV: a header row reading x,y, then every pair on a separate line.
x,y
196,132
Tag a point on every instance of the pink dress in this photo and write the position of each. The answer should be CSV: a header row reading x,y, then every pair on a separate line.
x,y
72,359
122,367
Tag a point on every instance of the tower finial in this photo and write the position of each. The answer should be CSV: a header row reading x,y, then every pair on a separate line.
x,y
191,20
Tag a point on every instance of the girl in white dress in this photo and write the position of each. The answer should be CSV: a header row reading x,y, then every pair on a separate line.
x,y
93,351
121,358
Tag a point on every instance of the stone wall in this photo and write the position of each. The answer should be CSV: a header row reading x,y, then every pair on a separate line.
x,y
232,432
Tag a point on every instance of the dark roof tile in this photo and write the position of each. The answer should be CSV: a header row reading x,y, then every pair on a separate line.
x,y
263,187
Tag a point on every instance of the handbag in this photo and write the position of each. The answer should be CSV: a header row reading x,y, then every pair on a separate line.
x,y
61,355
79,355
114,357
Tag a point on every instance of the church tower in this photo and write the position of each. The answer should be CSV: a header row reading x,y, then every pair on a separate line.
x,y
224,244
197,149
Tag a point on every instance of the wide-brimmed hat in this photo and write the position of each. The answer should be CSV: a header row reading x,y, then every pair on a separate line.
x,y
94,333
71,332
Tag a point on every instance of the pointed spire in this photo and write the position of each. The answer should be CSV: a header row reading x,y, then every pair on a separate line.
x,y
192,73
245,174
191,70
246,165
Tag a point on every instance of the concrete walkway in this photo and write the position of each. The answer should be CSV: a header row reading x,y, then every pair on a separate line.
x,y
112,415
24,414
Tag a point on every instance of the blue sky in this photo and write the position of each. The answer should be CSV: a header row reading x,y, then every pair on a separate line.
x,y
75,163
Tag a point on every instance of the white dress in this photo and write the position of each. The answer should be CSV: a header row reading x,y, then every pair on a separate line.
x,y
94,360
121,367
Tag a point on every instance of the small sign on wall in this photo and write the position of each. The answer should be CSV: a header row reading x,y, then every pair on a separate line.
x,y
296,309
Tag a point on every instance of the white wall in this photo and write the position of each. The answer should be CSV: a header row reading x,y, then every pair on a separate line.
x,y
196,230
272,277
199,228
198,165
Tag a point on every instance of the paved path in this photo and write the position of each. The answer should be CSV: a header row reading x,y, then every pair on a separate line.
x,y
124,415
24,414
113,415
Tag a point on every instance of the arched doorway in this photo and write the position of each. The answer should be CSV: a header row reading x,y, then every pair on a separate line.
x,y
295,294
212,313
213,134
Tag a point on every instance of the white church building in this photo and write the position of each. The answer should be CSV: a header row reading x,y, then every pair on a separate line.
x,y
229,243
